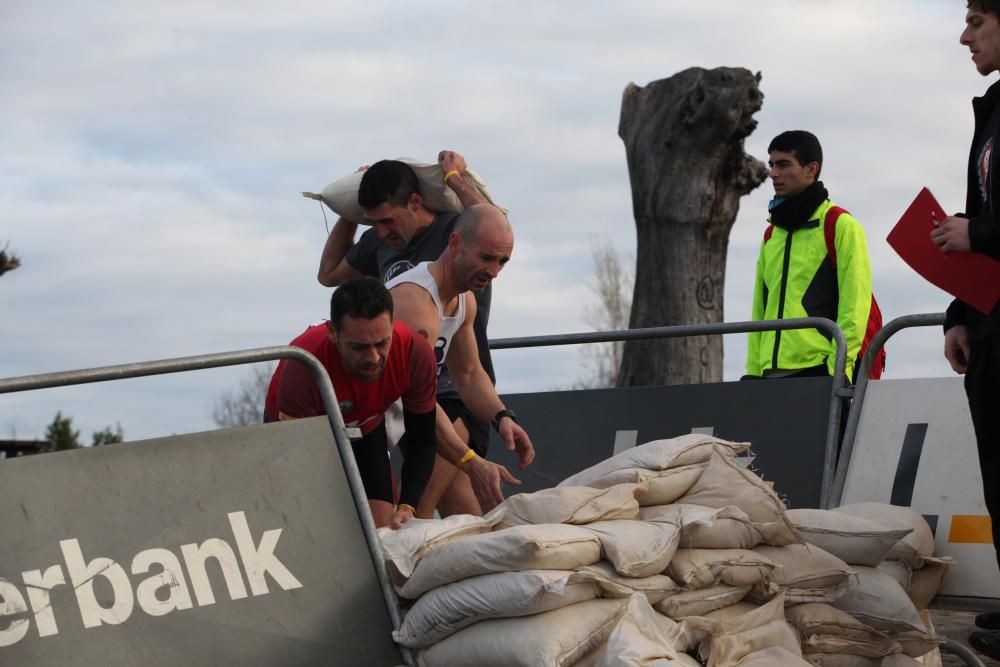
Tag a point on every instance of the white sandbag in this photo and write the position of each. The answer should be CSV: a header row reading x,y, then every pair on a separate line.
x,y
725,483
701,568
730,612
614,585
542,547
877,600
822,626
926,581
875,649
576,505
899,571
642,638
841,660
403,548
683,603
662,486
716,527
556,638
685,450
342,195
911,549
762,628
774,656
853,539
805,573
444,611
637,548
901,660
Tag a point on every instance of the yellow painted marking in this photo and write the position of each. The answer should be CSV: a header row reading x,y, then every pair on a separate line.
x,y
971,529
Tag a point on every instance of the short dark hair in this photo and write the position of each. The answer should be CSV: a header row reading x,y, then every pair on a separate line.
x,y
804,145
988,6
387,181
361,298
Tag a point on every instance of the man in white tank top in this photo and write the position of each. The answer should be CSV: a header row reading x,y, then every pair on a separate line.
x,y
436,300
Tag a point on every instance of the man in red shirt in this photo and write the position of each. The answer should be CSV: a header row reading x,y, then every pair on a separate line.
x,y
372,361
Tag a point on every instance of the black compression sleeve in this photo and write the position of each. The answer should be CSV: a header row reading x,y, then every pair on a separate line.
x,y
421,446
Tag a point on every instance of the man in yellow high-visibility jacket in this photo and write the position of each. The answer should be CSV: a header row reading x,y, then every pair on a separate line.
x,y
798,277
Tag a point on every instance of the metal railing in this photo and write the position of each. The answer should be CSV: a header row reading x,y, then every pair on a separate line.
x,y
837,393
221,359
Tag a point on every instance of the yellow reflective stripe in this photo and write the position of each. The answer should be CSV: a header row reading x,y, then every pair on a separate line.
x,y
971,529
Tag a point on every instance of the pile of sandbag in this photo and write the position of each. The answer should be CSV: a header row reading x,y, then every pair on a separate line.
x,y
671,553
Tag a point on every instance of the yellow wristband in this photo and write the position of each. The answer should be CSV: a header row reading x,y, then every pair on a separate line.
x,y
413,510
451,173
468,456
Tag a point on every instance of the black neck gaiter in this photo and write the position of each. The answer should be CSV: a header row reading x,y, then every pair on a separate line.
x,y
794,212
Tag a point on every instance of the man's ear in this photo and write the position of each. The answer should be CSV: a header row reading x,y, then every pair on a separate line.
x,y
415,202
813,169
455,242
331,331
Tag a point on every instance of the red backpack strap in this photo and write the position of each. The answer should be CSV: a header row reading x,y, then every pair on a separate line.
x,y
830,232
768,232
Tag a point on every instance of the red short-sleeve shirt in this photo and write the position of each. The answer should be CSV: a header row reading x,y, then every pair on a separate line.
x,y
410,373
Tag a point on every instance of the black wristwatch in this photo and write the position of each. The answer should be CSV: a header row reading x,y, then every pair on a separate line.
x,y
495,422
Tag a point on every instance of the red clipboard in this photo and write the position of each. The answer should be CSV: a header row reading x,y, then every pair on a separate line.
x,y
972,277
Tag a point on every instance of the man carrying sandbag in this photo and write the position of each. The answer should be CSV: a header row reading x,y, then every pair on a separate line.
x,y
372,361
405,232
435,298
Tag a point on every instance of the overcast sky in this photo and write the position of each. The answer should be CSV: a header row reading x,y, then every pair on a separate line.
x,y
152,155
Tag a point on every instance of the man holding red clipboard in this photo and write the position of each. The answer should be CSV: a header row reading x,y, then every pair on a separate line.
x,y
972,338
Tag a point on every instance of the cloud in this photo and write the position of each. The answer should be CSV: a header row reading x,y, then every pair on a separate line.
x,y
153,155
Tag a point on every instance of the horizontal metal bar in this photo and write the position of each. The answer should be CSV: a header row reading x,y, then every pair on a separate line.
x,y
718,328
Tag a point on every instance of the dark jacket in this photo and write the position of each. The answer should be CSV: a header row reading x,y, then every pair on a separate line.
x,y
984,226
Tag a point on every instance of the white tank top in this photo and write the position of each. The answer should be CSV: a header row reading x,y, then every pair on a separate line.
x,y
419,275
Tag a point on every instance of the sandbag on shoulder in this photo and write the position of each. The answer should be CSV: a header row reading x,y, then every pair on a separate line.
x,y
805,573
661,486
637,548
701,568
642,638
342,195
576,505
684,450
725,483
543,547
444,611
556,638
877,600
614,585
685,602
403,548
854,539
911,549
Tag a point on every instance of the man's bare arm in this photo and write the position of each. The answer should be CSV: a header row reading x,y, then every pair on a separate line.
x,y
333,267
477,391
452,166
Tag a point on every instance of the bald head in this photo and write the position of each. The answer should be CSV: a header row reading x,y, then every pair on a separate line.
x,y
480,246
481,219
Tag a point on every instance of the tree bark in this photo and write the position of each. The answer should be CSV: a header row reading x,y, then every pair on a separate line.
x,y
684,143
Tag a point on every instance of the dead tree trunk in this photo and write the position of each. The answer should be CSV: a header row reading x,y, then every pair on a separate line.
x,y
684,142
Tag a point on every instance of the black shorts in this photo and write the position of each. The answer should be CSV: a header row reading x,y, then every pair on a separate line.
x,y
371,453
479,432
